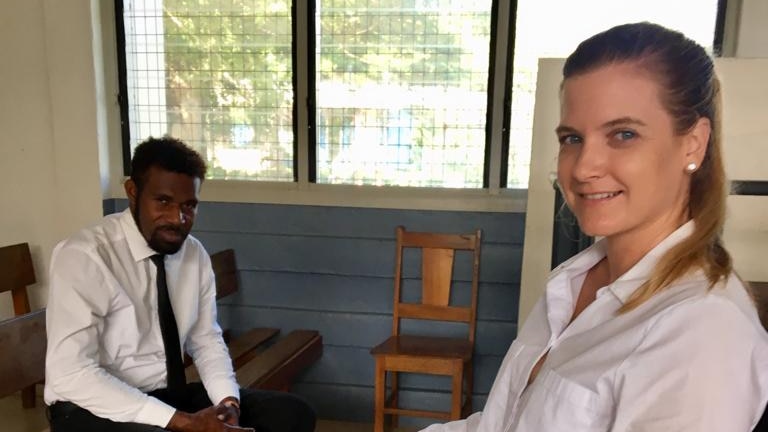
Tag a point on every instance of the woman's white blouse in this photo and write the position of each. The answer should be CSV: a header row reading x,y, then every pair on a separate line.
x,y
690,359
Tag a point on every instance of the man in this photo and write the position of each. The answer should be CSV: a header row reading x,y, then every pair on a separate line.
x,y
127,296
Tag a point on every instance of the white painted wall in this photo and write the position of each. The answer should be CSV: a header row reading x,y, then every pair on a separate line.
x,y
745,112
752,39
49,145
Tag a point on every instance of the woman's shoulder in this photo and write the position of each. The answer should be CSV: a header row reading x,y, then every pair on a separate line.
x,y
726,307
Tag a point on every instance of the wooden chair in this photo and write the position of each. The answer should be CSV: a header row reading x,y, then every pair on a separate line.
x,y
16,273
424,354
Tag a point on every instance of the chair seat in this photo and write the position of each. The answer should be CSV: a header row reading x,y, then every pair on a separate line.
x,y
425,346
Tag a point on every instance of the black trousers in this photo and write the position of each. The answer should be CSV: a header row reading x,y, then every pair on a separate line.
x,y
265,411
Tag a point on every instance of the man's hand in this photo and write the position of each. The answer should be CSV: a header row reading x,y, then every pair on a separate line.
x,y
228,411
206,420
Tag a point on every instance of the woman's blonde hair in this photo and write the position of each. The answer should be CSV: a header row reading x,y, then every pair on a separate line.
x,y
690,91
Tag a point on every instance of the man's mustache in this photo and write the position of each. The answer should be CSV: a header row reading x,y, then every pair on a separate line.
x,y
178,229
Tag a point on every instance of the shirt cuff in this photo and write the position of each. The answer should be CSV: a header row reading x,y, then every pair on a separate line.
x,y
155,412
221,390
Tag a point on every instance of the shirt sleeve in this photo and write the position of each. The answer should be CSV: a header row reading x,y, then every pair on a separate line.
x,y
469,424
495,415
205,342
700,368
79,299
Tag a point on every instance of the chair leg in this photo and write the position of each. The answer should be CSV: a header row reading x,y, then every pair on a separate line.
x,y
395,419
456,393
469,380
380,387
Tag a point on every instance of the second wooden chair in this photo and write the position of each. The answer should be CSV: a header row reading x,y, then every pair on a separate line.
x,y
429,354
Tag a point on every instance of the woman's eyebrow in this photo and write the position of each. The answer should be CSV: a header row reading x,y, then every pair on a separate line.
x,y
623,121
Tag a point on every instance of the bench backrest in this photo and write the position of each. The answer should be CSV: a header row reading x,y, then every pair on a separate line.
x,y
225,271
16,273
22,352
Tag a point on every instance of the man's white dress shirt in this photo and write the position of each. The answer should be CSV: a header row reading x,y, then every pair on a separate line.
x,y
690,359
105,349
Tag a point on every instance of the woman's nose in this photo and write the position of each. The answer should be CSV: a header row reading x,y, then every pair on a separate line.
x,y
591,161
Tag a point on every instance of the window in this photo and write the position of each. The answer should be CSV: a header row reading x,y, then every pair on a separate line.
x,y
402,92
392,92
539,33
219,76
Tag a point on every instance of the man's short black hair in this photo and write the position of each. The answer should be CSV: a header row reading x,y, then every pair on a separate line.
x,y
168,153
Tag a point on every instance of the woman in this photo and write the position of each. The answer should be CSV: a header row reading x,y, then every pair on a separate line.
x,y
649,329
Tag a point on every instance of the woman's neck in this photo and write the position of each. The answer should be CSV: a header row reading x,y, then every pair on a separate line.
x,y
626,249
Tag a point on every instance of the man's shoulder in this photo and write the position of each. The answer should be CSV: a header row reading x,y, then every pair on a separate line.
x,y
100,235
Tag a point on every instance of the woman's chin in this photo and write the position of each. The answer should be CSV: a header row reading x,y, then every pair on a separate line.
x,y
596,229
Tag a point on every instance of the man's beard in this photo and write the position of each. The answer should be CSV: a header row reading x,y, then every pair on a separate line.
x,y
155,242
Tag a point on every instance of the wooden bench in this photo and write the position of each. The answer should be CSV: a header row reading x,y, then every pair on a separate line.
x,y
259,357
22,352
16,273
277,367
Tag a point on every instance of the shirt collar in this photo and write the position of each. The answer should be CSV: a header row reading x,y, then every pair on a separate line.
x,y
140,250
560,294
626,284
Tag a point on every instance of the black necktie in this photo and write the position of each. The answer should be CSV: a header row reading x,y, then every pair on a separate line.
x,y
169,330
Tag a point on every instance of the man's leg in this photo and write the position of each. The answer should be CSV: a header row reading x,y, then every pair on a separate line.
x,y
271,411
68,417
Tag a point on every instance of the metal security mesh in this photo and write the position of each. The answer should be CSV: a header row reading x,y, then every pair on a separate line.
x,y
218,75
402,91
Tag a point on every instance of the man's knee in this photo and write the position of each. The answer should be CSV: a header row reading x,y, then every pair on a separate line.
x,y
276,412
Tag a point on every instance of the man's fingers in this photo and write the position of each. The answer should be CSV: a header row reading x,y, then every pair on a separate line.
x,y
238,428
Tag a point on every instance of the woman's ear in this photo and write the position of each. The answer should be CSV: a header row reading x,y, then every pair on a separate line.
x,y
696,141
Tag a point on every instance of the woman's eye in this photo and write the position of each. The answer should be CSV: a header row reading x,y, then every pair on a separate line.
x,y
625,135
569,139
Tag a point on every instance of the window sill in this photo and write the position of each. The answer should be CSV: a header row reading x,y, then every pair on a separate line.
x,y
388,197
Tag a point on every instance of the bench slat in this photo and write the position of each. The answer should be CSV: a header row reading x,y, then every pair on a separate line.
x,y
244,347
275,368
241,349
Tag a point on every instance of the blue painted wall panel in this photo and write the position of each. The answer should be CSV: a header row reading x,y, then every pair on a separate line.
x,y
362,294
353,222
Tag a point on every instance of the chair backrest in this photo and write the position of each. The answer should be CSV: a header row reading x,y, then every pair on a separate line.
x,y
437,261
22,356
16,273
225,271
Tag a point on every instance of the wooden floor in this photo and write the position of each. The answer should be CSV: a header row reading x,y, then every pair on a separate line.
x,y
16,419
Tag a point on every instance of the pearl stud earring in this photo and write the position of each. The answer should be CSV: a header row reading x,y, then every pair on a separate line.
x,y
690,168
